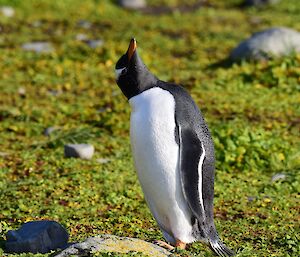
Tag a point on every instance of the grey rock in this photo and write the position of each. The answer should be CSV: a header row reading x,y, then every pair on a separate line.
x,y
83,151
272,42
109,243
278,176
94,43
7,11
132,4
38,47
260,2
37,237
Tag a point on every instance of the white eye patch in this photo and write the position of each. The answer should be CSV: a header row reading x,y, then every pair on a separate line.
x,y
119,72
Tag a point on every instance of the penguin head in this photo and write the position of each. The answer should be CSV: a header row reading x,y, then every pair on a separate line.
x,y
132,75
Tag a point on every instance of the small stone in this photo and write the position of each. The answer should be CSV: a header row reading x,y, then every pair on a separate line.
x,y
7,11
272,42
83,151
260,2
103,160
38,47
22,91
84,24
278,176
54,92
110,243
81,37
251,198
94,43
132,4
48,131
37,237
37,24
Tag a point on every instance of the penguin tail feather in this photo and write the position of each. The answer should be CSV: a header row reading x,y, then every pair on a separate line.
x,y
220,249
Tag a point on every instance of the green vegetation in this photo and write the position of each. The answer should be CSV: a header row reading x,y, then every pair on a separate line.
x,y
252,109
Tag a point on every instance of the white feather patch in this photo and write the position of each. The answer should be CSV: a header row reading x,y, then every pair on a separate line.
x,y
118,72
200,177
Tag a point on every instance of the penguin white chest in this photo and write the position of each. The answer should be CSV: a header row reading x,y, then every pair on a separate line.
x,y
155,153
152,134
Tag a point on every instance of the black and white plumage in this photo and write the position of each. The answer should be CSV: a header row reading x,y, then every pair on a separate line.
x,y
173,153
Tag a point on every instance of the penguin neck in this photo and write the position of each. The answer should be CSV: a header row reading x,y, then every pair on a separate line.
x,y
144,81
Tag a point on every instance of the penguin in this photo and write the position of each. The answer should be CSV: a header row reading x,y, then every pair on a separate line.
x,y
173,153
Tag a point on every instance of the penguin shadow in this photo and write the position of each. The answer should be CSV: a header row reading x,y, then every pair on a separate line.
x,y
224,63
2,244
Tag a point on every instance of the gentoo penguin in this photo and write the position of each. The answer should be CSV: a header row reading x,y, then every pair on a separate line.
x,y
173,154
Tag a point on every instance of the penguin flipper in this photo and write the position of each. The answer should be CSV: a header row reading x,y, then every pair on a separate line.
x,y
190,154
191,158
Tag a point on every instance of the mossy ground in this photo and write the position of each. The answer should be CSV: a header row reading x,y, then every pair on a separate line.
x,y
252,109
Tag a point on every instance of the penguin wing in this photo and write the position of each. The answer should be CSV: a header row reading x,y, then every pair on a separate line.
x,y
191,157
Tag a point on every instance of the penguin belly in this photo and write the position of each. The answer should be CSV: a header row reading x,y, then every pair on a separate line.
x,y
156,154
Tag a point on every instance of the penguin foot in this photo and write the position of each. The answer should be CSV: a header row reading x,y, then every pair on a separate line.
x,y
180,245
164,245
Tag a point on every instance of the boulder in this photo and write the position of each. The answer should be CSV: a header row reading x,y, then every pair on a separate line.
x,y
109,243
272,42
37,237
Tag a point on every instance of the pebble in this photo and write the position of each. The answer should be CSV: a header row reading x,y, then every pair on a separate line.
x,y
94,43
110,243
84,24
37,237
103,160
38,47
132,4
251,198
83,151
7,11
278,176
22,91
272,42
81,37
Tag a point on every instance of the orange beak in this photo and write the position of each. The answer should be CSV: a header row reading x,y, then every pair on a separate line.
x,y
131,48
